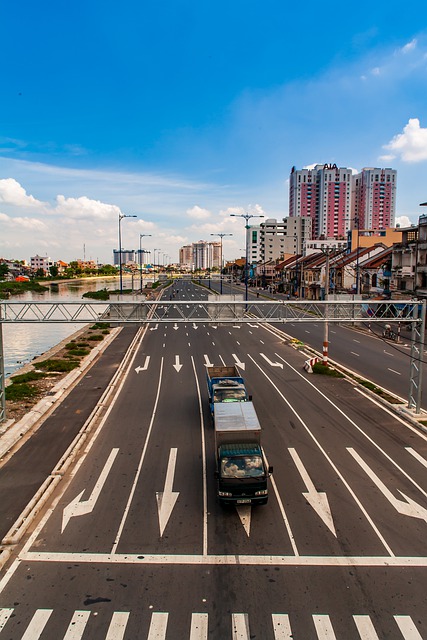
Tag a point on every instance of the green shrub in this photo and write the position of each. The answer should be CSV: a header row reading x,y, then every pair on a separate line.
x,y
58,365
326,371
20,391
96,337
28,377
100,325
105,332
78,352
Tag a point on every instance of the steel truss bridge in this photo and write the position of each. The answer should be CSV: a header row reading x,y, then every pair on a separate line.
x,y
225,312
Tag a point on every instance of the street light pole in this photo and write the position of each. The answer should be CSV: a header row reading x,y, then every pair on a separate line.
x,y
121,216
327,251
221,235
247,217
141,235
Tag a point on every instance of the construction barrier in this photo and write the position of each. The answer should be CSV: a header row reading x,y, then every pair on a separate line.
x,y
308,364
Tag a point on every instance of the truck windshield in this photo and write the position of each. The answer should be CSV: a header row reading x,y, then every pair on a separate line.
x,y
229,395
242,467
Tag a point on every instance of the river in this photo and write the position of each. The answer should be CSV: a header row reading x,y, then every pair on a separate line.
x,y
24,342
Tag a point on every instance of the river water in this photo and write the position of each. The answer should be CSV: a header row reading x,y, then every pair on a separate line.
x,y
23,342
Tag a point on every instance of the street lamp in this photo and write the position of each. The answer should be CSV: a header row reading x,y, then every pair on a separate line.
x,y
121,216
221,235
247,217
154,257
141,235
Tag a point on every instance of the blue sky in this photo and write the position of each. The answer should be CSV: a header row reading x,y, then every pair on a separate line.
x,y
184,112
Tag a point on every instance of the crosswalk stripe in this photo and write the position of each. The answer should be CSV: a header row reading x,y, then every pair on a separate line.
x,y
37,624
199,626
240,626
365,628
324,628
159,622
281,626
407,628
4,616
117,628
77,625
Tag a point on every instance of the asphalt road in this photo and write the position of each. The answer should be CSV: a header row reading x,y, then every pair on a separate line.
x,y
136,546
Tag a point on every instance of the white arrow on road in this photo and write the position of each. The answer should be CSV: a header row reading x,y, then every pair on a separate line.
x,y
77,508
195,326
207,362
177,366
167,498
244,511
318,500
154,328
237,362
272,364
175,326
407,507
145,366
253,325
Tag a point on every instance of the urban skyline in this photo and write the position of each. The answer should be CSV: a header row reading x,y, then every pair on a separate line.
x,y
192,119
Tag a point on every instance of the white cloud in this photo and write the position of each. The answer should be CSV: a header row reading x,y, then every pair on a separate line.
x,y
198,213
403,221
409,46
19,223
387,157
12,193
84,208
411,145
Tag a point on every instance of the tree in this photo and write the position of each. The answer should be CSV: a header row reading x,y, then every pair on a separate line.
x,y
53,271
4,270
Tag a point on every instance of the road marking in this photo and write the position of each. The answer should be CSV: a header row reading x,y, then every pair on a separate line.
x,y
388,353
272,364
407,628
77,508
318,500
158,625
252,325
4,616
281,626
145,365
393,371
324,628
175,326
77,625
354,354
409,508
417,456
167,498
213,560
240,365
204,472
365,627
328,458
154,328
195,326
244,512
199,626
354,340
117,628
177,366
208,363
37,624
141,460
240,626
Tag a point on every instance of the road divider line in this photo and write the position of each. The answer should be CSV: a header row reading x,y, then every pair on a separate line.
x,y
417,456
204,470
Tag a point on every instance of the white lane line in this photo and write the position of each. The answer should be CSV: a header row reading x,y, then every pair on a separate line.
x,y
204,471
240,626
417,456
199,626
281,626
354,340
360,430
365,627
388,353
324,628
158,625
77,625
141,460
354,353
37,624
334,467
4,616
393,371
117,628
407,628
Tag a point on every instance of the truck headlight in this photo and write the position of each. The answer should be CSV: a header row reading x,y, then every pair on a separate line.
x,y
224,494
263,492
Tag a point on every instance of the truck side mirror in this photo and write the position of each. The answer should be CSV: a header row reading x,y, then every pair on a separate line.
x,y
270,470
250,398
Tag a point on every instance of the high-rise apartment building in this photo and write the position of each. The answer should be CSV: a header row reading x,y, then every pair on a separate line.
x,y
201,255
374,198
271,240
337,201
324,194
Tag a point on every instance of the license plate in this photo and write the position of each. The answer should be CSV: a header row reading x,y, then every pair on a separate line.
x,y
243,501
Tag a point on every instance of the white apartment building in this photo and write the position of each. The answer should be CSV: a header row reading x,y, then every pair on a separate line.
x,y
271,240
41,262
201,255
